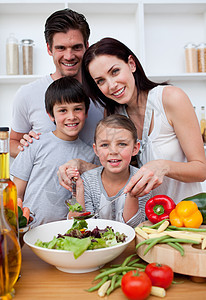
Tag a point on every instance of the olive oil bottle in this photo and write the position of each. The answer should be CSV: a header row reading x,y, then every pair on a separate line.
x,y
203,124
10,192
10,253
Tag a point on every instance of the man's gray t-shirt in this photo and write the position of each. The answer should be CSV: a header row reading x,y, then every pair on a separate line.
x,y
38,165
29,111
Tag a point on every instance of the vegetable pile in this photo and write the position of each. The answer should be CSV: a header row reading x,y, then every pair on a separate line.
x,y
77,239
163,233
190,212
136,283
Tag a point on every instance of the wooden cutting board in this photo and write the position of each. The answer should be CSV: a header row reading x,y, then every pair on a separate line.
x,y
193,262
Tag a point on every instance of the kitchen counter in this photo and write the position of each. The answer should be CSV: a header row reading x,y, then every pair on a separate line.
x,y
40,280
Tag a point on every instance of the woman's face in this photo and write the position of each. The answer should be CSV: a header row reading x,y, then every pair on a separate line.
x,y
115,78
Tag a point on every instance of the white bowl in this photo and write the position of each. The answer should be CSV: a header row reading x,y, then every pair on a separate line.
x,y
64,260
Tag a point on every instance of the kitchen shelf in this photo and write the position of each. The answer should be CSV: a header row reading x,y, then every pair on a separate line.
x,y
156,30
24,79
19,79
179,77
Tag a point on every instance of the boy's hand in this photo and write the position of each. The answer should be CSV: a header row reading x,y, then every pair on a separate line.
x,y
72,175
64,179
77,164
28,139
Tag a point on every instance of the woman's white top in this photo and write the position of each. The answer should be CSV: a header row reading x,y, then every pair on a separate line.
x,y
162,143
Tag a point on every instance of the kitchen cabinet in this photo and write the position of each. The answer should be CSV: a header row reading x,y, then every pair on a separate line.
x,y
156,30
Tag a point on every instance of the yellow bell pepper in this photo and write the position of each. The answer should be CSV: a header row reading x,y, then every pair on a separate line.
x,y
186,214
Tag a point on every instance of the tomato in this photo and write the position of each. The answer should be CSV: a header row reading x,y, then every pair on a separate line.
x,y
160,275
136,285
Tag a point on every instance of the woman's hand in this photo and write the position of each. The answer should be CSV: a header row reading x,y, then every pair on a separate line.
x,y
28,139
149,177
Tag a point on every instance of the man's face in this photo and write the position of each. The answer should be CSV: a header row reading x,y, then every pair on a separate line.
x,y
67,52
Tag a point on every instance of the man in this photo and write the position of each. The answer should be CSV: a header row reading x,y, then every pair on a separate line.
x,y
66,34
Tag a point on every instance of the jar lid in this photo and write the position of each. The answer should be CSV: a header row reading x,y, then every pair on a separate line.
x,y
190,45
202,45
27,42
12,39
4,128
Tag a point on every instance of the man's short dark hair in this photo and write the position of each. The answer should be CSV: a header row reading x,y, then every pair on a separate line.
x,y
64,20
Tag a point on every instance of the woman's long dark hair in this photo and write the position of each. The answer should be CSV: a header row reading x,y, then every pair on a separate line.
x,y
110,46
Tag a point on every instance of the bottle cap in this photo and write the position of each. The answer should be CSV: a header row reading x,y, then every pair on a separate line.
x,y
4,128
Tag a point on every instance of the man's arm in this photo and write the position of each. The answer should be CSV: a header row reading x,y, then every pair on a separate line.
x,y
15,138
18,140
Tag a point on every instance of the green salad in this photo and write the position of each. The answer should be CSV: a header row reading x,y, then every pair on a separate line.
x,y
78,239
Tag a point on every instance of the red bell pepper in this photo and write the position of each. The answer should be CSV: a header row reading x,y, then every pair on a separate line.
x,y
158,208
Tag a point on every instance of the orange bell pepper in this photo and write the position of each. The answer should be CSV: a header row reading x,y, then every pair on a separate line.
x,y
186,214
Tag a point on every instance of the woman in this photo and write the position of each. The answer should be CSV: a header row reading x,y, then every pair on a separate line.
x,y
172,156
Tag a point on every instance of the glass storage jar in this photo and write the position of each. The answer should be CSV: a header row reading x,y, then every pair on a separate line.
x,y
201,55
12,55
27,56
191,58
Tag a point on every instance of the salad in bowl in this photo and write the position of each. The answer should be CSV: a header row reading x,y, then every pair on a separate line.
x,y
76,246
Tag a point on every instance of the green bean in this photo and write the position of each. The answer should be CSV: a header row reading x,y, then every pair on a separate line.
x,y
144,242
187,229
113,271
154,242
149,241
104,269
118,283
156,225
96,287
125,262
111,288
141,266
180,246
187,241
131,263
176,246
114,266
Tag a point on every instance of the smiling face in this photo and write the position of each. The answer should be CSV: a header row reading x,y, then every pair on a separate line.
x,y
114,78
114,147
67,52
69,119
